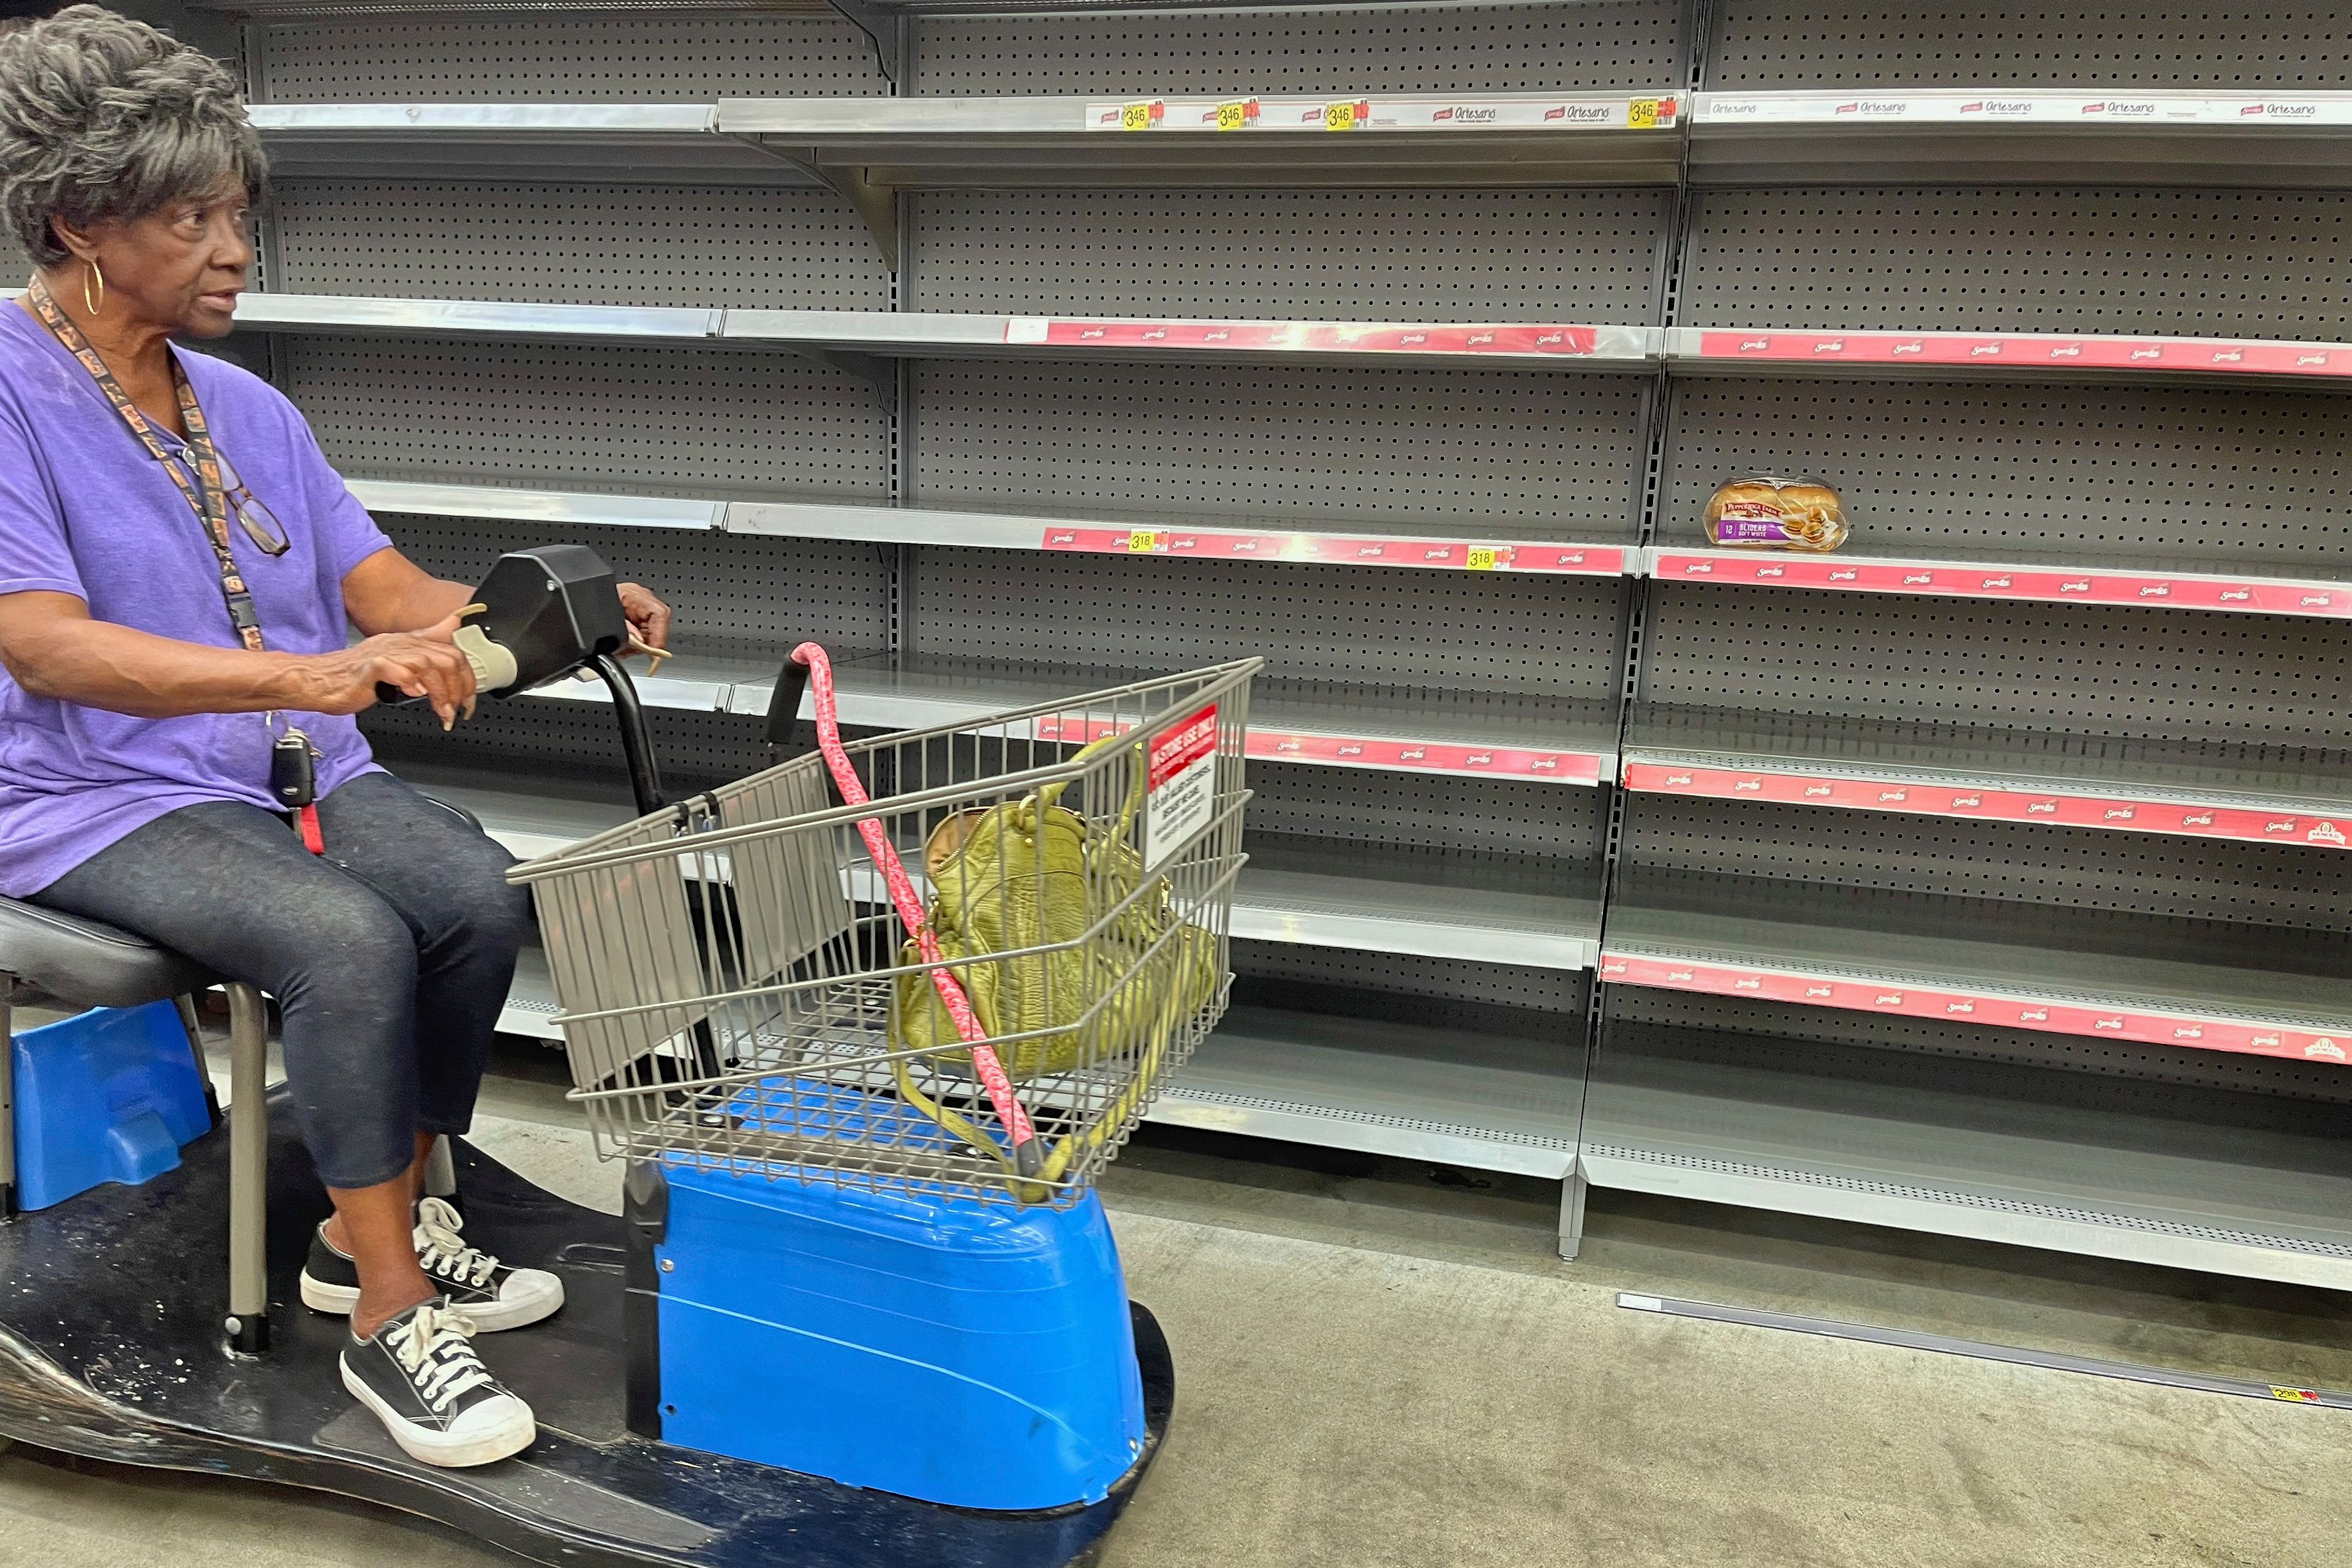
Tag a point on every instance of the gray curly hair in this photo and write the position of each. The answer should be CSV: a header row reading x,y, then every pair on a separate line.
x,y
102,117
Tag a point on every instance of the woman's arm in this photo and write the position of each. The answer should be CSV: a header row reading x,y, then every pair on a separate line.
x,y
388,592
51,645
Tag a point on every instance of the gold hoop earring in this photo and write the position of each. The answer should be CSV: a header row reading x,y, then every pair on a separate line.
x,y
93,306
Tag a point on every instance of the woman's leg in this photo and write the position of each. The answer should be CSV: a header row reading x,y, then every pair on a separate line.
x,y
231,887
448,883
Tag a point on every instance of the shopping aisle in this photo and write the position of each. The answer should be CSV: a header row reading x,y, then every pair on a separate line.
x,y
1376,1368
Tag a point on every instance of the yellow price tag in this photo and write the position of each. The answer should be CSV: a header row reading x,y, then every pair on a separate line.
x,y
1339,116
1143,541
1641,114
1232,116
1481,558
1135,117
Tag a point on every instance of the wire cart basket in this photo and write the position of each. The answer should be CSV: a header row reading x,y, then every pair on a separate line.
x,y
740,989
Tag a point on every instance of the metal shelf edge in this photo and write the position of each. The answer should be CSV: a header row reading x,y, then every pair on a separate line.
x,y
1325,1129
1607,1162
585,507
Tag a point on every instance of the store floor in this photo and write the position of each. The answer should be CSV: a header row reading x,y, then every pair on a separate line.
x,y
1378,1364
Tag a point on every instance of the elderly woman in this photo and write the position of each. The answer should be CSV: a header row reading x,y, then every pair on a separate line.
x,y
180,571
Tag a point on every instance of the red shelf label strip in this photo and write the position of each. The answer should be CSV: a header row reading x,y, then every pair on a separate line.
x,y
1309,336
1581,560
2033,350
1785,571
1991,804
1341,750
1963,1008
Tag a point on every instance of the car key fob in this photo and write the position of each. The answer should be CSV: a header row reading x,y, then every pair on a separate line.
x,y
293,771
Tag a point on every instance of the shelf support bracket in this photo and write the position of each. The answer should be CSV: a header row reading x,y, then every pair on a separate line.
x,y
876,204
881,29
1571,1215
877,371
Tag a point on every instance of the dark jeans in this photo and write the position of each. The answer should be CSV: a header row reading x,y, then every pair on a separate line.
x,y
390,956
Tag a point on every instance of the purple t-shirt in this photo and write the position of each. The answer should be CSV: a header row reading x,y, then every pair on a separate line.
x,y
85,510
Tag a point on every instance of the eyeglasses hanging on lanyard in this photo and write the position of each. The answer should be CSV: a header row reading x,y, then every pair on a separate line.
x,y
214,493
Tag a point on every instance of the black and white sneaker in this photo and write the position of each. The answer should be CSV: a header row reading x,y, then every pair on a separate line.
x,y
474,1283
421,1377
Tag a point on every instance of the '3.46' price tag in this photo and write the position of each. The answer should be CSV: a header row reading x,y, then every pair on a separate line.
x,y
1232,116
1339,116
1641,114
1135,117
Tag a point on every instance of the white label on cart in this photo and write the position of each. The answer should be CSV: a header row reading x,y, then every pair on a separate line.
x,y
1183,785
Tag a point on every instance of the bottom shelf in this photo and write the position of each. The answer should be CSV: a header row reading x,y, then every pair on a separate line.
x,y
1756,1123
1410,1090
1402,1089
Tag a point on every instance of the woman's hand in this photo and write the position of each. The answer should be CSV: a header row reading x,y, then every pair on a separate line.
x,y
421,663
648,617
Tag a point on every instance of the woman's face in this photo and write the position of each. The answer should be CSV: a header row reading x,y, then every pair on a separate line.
x,y
180,268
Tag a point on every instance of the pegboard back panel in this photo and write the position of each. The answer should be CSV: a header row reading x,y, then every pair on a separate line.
x,y
1500,49
636,54
1440,992
1761,45
517,747
1498,820
580,244
1510,449
2071,669
752,594
2238,479
2248,884
615,420
2161,1076
1402,256
1448,630
2231,264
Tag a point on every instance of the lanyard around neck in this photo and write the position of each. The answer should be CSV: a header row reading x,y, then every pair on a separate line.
x,y
211,506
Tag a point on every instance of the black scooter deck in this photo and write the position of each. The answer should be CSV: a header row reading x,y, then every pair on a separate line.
x,y
111,1348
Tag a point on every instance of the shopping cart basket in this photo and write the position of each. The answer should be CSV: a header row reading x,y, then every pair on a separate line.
x,y
970,986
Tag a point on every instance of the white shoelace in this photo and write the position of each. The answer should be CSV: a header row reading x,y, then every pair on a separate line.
x,y
439,1334
442,1251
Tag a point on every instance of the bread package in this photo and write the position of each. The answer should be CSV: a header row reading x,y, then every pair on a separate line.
x,y
1768,513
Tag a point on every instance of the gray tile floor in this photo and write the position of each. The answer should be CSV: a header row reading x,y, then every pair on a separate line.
x,y
1376,1367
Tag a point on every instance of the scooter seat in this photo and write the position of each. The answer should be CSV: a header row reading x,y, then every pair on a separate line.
x,y
87,963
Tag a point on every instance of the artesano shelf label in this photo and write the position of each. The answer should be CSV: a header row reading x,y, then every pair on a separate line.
x,y
1226,115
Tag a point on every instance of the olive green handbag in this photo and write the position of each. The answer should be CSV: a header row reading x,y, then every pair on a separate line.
x,y
1032,874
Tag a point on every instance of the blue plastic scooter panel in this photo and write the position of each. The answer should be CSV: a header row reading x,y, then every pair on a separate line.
x,y
980,1355
109,1095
